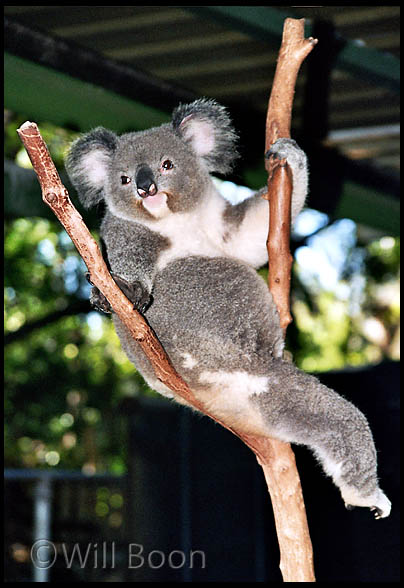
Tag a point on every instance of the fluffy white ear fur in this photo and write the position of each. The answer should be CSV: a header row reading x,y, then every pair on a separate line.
x,y
94,168
208,130
200,133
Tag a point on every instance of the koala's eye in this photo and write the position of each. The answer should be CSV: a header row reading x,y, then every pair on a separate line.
x,y
167,164
125,180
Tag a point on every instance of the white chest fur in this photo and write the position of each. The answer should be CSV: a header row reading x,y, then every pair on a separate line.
x,y
198,232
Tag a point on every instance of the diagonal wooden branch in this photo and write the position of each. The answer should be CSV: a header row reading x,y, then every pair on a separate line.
x,y
56,196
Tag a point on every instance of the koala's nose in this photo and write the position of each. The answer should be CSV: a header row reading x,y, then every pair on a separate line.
x,y
146,186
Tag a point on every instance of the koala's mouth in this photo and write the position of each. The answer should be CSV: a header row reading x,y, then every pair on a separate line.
x,y
156,204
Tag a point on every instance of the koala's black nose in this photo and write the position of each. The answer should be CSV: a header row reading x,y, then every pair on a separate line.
x,y
146,186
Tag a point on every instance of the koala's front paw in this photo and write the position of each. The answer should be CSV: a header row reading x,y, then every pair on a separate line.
x,y
135,292
288,149
97,298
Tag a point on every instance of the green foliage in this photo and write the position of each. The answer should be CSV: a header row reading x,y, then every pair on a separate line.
x,y
357,321
57,139
64,381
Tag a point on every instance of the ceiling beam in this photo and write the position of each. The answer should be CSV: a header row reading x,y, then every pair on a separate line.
x,y
266,24
363,133
89,66
369,207
50,79
44,94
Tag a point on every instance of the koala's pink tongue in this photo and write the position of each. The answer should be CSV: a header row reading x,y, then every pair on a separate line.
x,y
155,203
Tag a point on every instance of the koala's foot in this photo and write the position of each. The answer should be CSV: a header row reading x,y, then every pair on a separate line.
x,y
134,291
99,301
379,513
288,149
97,298
377,502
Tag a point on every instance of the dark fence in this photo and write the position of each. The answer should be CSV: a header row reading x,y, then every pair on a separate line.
x,y
194,506
63,526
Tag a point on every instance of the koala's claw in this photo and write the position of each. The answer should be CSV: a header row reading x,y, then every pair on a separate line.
x,y
146,305
87,276
377,512
99,301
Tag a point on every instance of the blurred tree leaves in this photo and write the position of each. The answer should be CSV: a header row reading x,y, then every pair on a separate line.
x,y
56,138
66,379
355,321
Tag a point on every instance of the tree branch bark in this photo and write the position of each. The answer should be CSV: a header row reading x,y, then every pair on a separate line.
x,y
294,49
279,463
278,466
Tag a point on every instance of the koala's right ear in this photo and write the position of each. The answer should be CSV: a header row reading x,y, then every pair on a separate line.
x,y
87,164
206,127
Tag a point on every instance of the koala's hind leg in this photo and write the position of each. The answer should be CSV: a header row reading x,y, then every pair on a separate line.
x,y
299,409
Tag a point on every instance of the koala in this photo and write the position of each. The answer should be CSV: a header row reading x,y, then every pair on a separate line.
x,y
187,260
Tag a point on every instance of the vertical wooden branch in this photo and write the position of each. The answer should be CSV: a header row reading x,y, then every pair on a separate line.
x,y
294,49
280,260
279,462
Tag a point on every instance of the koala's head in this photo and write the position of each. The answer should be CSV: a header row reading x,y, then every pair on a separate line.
x,y
151,174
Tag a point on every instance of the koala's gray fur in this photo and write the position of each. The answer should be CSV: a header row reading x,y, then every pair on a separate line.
x,y
186,257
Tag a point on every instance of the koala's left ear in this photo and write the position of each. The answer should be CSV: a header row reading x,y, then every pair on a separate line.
x,y
87,164
207,127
